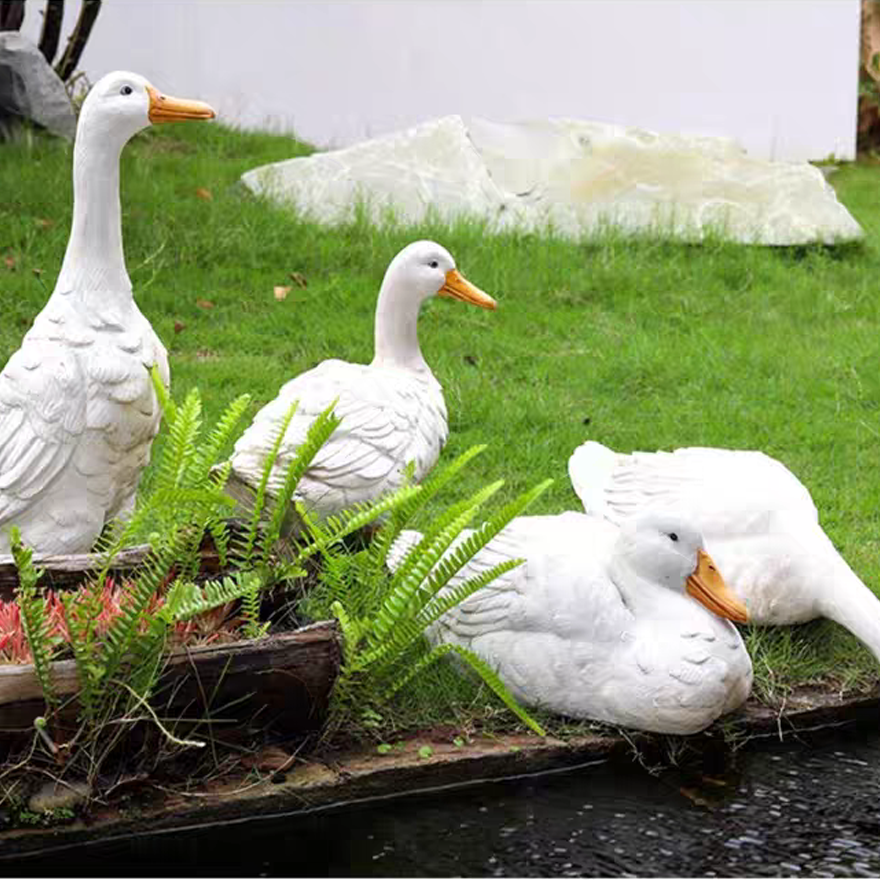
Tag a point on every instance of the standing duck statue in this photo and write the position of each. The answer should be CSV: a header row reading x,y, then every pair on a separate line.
x,y
77,408
392,409
621,625
758,520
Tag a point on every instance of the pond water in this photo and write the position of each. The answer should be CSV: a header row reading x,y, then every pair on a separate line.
x,y
805,808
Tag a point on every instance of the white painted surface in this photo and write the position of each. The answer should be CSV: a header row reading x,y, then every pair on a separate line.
x,y
779,76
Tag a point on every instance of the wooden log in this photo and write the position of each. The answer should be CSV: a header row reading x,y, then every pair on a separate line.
x,y
283,681
68,572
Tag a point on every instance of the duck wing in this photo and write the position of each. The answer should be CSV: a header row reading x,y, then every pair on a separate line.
x,y
388,420
716,489
42,418
558,592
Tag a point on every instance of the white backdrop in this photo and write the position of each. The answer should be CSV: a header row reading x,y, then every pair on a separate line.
x,y
778,75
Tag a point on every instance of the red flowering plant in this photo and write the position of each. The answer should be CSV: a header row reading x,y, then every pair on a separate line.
x,y
219,624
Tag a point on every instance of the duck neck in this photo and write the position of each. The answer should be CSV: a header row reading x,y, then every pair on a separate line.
x,y
396,329
94,263
846,600
644,598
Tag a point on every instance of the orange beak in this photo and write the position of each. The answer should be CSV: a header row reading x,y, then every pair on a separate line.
x,y
457,286
707,586
164,108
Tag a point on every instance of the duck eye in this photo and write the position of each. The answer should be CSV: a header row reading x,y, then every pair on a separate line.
x,y
433,264
126,90
673,536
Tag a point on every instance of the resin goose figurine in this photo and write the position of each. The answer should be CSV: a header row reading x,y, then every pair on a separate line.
x,y
758,520
77,408
617,625
392,410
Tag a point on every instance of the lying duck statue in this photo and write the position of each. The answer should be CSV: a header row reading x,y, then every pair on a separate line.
x,y
758,520
77,409
392,409
623,625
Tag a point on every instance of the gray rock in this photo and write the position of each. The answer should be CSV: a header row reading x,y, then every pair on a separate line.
x,y
572,176
30,88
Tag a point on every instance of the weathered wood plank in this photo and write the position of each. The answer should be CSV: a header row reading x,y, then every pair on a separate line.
x,y
284,679
66,572
70,571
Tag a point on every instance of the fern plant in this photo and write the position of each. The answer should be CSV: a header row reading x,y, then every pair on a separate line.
x,y
384,618
186,492
120,664
185,501
34,618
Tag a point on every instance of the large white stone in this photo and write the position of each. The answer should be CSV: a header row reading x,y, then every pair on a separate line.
x,y
574,176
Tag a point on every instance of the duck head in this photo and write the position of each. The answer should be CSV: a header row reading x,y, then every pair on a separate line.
x,y
420,271
121,104
666,551
425,269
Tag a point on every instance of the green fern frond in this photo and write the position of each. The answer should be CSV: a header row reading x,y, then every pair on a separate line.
x,y
407,583
351,632
442,478
123,630
486,673
318,434
405,513
250,607
33,617
456,595
408,632
80,614
475,542
385,645
166,404
356,517
421,558
180,445
187,600
253,528
209,450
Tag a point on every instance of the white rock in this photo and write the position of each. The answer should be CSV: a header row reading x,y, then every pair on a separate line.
x,y
431,167
574,176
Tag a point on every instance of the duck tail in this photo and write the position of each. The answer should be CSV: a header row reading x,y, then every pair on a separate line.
x,y
589,469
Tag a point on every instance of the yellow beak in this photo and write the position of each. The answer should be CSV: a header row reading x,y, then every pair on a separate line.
x,y
458,287
707,586
164,108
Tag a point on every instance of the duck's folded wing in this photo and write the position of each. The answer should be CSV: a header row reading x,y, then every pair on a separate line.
x,y
707,485
500,605
42,417
380,419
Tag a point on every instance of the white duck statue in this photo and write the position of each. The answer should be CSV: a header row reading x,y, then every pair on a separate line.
x,y
392,409
77,409
618,625
758,519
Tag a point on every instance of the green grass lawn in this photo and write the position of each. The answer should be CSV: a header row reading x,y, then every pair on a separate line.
x,y
639,344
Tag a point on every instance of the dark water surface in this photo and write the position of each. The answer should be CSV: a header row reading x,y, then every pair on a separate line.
x,y
806,808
